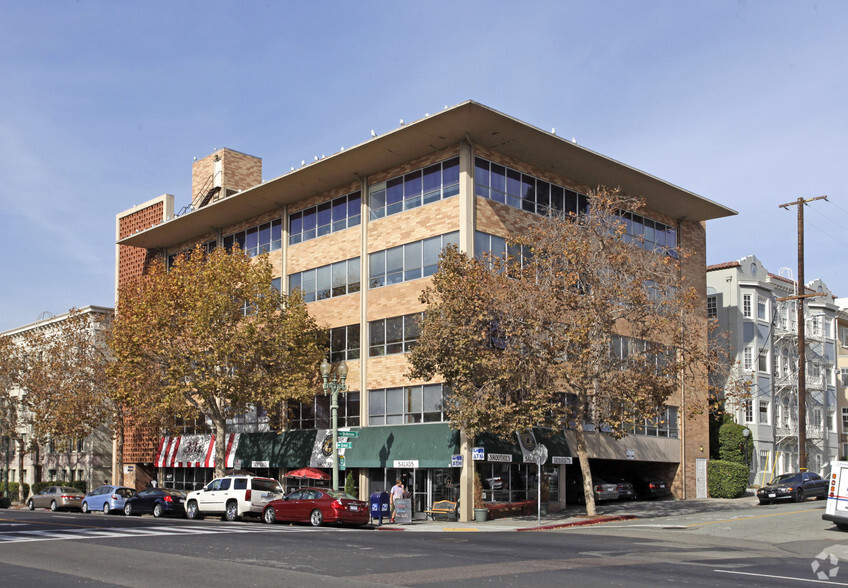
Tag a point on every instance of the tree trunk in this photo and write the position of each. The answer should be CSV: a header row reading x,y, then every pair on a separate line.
x,y
119,450
583,457
220,446
21,496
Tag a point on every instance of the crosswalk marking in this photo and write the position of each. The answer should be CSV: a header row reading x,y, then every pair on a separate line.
x,y
65,534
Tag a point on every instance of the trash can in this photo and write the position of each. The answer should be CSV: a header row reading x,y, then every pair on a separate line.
x,y
379,506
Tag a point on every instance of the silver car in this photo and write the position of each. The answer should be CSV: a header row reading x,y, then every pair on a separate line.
x,y
57,498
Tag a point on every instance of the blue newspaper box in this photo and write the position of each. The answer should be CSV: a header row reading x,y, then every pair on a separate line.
x,y
380,506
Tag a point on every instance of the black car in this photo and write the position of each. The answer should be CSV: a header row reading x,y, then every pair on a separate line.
x,y
158,501
650,488
797,487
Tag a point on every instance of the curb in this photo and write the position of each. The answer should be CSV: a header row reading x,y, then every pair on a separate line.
x,y
595,521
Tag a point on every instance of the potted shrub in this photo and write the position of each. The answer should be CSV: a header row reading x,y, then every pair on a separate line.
x,y
481,513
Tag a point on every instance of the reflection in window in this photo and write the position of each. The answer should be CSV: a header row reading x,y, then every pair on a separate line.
x,y
414,189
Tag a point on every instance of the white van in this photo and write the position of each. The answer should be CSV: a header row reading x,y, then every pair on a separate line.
x,y
837,495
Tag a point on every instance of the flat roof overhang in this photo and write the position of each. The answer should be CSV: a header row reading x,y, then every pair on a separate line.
x,y
470,120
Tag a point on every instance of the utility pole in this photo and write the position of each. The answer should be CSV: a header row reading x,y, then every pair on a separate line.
x,y
802,342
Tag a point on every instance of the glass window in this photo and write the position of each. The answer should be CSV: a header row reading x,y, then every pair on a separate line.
x,y
325,218
404,262
327,281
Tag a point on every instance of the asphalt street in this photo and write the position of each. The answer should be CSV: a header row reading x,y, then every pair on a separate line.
x,y
703,543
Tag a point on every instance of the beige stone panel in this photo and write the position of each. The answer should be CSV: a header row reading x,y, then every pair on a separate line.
x,y
397,299
324,250
389,371
336,312
414,225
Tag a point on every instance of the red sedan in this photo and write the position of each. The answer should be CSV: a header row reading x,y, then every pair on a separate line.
x,y
317,506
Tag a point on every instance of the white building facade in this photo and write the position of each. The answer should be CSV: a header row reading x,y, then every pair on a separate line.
x,y
761,329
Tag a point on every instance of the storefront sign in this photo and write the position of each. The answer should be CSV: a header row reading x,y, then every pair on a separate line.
x,y
405,463
403,510
259,464
561,460
500,457
456,461
128,469
478,454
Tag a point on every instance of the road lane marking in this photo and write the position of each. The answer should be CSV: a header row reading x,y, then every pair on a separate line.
x,y
813,580
776,514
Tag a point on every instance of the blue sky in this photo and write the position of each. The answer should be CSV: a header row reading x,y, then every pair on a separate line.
x,y
104,105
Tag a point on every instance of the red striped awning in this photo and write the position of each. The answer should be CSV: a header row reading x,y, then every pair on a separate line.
x,y
194,451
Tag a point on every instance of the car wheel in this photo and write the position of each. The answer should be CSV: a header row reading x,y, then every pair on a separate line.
x,y
316,518
53,506
231,513
106,509
799,495
192,512
158,511
30,505
84,508
128,509
270,515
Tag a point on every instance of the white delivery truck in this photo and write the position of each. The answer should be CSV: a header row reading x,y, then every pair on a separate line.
x,y
837,495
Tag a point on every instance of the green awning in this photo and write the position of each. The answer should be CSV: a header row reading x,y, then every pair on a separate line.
x,y
292,449
430,444
554,441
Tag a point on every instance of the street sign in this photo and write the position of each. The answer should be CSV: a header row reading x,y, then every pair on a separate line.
x,y
341,445
561,460
351,434
478,454
456,461
341,462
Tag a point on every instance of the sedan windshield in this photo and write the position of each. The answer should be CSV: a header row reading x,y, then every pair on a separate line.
x,y
785,479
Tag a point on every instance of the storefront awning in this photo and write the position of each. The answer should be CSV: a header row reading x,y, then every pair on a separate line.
x,y
194,451
292,449
518,449
428,445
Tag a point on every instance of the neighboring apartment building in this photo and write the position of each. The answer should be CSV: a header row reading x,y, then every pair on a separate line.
x,y
360,233
842,375
762,328
84,458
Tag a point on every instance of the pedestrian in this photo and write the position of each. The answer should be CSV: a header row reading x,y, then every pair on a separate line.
x,y
396,493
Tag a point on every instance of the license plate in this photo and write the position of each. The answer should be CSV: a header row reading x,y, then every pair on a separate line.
x,y
354,507
772,495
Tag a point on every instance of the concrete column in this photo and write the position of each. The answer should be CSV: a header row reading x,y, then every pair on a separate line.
x,y
467,220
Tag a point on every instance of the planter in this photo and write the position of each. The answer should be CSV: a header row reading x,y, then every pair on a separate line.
x,y
481,515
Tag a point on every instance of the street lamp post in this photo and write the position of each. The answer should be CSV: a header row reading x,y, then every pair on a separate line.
x,y
334,385
745,434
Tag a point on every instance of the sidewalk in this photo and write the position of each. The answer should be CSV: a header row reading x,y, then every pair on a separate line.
x,y
575,516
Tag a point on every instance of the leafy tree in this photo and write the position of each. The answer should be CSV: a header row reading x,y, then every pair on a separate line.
x,y
578,323
212,336
10,425
63,371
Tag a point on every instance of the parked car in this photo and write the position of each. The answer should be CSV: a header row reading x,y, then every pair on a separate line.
x,y
650,487
603,490
233,497
797,486
626,490
57,498
317,506
107,499
158,501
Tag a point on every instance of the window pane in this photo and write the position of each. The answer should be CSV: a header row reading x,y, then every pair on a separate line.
x,y
308,285
394,191
570,202
432,398
309,216
412,185
513,183
353,275
412,260
411,327
450,171
295,223
528,193
394,401
376,402
430,251
378,203
451,238
353,341
394,335
394,265
340,278
481,244
324,280
276,234
377,269
377,337
340,209
498,178
294,282
264,237
414,399
481,172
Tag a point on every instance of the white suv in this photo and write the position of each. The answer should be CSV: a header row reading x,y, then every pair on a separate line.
x,y
233,497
